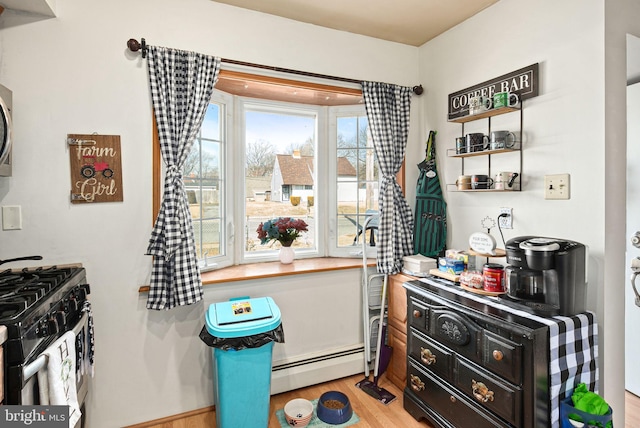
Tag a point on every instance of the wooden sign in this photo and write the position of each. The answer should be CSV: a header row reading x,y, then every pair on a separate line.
x,y
523,82
96,171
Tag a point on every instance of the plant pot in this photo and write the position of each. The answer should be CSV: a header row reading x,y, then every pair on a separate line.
x,y
286,255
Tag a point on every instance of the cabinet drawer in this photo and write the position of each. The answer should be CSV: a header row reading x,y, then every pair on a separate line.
x,y
417,315
447,402
431,355
502,357
456,331
497,396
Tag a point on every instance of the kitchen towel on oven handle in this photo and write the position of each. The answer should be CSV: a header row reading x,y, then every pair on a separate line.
x,y
430,225
57,380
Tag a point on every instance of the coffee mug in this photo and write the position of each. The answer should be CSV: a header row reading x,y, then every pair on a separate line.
x,y
477,142
505,180
502,139
479,103
461,145
481,182
505,99
464,182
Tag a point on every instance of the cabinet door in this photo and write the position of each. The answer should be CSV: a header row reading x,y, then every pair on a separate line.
x,y
398,302
397,370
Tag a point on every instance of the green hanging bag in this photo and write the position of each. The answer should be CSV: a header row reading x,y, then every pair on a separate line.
x,y
430,225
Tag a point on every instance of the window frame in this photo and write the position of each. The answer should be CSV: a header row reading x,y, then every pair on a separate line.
x,y
325,246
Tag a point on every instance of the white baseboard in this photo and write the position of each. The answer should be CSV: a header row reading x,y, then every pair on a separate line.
x,y
314,369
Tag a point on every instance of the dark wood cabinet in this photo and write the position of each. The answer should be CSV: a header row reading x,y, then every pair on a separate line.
x,y
478,361
471,365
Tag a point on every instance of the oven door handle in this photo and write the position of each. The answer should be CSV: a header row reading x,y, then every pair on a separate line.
x,y
39,363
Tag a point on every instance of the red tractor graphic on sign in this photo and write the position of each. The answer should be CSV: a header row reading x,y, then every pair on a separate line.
x,y
90,168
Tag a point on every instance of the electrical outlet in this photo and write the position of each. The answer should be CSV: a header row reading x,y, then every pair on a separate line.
x,y
556,186
506,222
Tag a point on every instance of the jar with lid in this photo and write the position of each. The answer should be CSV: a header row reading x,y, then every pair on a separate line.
x,y
493,278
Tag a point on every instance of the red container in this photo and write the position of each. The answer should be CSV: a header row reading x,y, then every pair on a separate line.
x,y
493,275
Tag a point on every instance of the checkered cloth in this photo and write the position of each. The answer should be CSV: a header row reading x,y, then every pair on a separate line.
x,y
181,85
573,359
573,349
388,108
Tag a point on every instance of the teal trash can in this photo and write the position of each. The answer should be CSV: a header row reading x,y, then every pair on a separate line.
x,y
243,331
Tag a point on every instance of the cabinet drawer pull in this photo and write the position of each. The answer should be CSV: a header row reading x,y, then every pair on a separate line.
x,y
416,384
498,355
452,399
481,392
417,313
427,356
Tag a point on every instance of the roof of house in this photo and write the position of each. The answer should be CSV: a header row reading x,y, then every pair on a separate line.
x,y
345,168
296,170
299,170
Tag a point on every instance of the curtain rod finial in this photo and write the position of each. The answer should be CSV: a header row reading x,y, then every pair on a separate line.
x,y
418,90
135,46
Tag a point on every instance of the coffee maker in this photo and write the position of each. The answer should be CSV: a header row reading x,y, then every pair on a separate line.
x,y
546,276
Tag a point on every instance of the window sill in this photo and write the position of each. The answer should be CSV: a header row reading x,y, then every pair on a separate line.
x,y
274,269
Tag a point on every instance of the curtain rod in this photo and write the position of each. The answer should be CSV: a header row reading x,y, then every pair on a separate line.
x,y
135,46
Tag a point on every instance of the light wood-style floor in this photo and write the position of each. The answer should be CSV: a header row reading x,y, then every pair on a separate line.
x,y
372,413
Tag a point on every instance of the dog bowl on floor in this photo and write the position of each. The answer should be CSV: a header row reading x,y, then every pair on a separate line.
x,y
334,408
298,412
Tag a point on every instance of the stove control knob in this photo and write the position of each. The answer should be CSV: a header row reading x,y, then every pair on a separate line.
x,y
72,305
60,318
52,326
41,331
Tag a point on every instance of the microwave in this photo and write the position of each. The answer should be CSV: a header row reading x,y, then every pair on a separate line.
x,y
6,131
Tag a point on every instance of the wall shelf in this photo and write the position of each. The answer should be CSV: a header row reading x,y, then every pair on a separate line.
x,y
484,114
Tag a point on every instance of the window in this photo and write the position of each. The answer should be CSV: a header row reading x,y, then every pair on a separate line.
x,y
258,158
204,177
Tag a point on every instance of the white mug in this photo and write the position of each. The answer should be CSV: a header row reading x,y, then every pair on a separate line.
x,y
479,103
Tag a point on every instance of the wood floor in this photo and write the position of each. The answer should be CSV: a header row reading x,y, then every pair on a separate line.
x,y
372,413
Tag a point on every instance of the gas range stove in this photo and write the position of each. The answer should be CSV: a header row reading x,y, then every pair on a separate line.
x,y
38,305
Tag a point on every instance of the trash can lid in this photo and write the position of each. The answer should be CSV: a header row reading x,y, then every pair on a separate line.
x,y
242,317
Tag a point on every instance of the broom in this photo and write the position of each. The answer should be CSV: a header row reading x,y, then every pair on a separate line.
x,y
383,356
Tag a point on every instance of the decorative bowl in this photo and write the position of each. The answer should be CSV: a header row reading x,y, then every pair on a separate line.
x,y
334,408
298,412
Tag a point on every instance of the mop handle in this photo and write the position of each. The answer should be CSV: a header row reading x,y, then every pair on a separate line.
x,y
380,338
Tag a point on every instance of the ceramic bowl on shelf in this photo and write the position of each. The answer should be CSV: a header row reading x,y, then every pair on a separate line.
x,y
334,408
298,412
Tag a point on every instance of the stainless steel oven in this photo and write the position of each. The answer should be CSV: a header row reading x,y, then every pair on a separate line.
x,y
6,131
38,306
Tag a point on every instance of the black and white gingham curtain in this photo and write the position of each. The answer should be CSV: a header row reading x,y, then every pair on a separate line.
x,y
181,84
388,108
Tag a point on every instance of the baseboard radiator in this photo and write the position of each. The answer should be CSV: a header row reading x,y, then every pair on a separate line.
x,y
308,370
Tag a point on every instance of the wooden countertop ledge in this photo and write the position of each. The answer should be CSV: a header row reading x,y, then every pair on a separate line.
x,y
273,269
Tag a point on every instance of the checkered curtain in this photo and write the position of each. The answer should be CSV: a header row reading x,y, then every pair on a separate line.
x,y
181,84
388,108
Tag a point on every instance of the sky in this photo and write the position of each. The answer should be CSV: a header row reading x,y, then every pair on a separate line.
x,y
281,130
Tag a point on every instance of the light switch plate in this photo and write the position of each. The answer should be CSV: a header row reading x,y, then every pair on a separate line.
x,y
556,186
11,217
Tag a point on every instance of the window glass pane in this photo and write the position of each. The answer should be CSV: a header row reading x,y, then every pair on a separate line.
x,y
357,180
211,124
207,235
279,172
202,179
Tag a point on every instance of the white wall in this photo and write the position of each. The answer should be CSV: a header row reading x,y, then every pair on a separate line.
x,y
74,74
567,129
